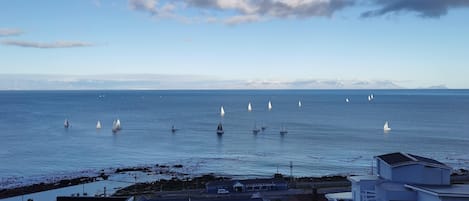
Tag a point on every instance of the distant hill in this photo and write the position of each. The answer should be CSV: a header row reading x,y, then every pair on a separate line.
x,y
154,81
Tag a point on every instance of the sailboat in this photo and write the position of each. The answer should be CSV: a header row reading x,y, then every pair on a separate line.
x,y
299,103
222,111
372,96
263,127
369,98
347,100
173,129
66,123
220,130
283,130
116,126
98,125
249,107
269,105
386,127
255,130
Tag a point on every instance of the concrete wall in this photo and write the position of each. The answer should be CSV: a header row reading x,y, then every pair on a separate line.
x,y
364,185
421,196
454,199
356,191
421,174
384,170
395,195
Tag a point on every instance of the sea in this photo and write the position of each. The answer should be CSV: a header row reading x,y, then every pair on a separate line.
x,y
326,135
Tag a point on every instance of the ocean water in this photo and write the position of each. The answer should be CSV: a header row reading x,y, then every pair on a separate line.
x,y
325,136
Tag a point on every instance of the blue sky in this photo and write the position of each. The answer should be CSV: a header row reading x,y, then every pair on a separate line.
x,y
411,43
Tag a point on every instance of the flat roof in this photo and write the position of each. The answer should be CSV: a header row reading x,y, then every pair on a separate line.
x,y
399,159
340,196
362,178
455,190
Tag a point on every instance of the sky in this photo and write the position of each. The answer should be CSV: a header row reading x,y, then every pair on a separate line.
x,y
234,43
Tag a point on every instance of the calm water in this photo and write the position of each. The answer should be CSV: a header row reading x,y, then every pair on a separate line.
x,y
325,136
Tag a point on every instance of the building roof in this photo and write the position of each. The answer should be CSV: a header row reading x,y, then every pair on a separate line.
x,y
339,196
400,159
456,190
362,178
237,198
221,183
246,182
261,181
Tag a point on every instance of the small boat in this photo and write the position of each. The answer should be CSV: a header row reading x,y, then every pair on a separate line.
x,y
66,123
256,130
347,100
369,98
269,105
173,129
116,126
220,129
98,125
249,107
283,130
386,127
222,112
372,96
299,103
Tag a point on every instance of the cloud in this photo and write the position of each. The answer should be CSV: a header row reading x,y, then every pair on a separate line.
x,y
144,5
58,44
240,11
234,12
424,8
242,19
10,32
97,3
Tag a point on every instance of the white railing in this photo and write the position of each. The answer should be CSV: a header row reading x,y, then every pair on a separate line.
x,y
368,196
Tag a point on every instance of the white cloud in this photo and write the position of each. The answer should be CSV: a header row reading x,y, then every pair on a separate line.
x,y
240,11
144,5
58,44
242,19
10,32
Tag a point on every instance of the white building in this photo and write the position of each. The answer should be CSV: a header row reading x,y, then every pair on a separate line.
x,y
407,177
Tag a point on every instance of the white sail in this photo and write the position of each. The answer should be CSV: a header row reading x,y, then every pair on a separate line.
x,y
386,126
66,123
372,96
118,124
269,105
98,125
222,111
369,98
299,103
249,107
347,100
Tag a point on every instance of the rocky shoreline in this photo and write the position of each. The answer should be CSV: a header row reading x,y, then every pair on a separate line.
x,y
87,177
178,180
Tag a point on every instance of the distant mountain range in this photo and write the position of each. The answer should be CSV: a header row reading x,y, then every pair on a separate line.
x,y
153,81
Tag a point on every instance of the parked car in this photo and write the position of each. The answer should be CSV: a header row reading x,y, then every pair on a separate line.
x,y
223,191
